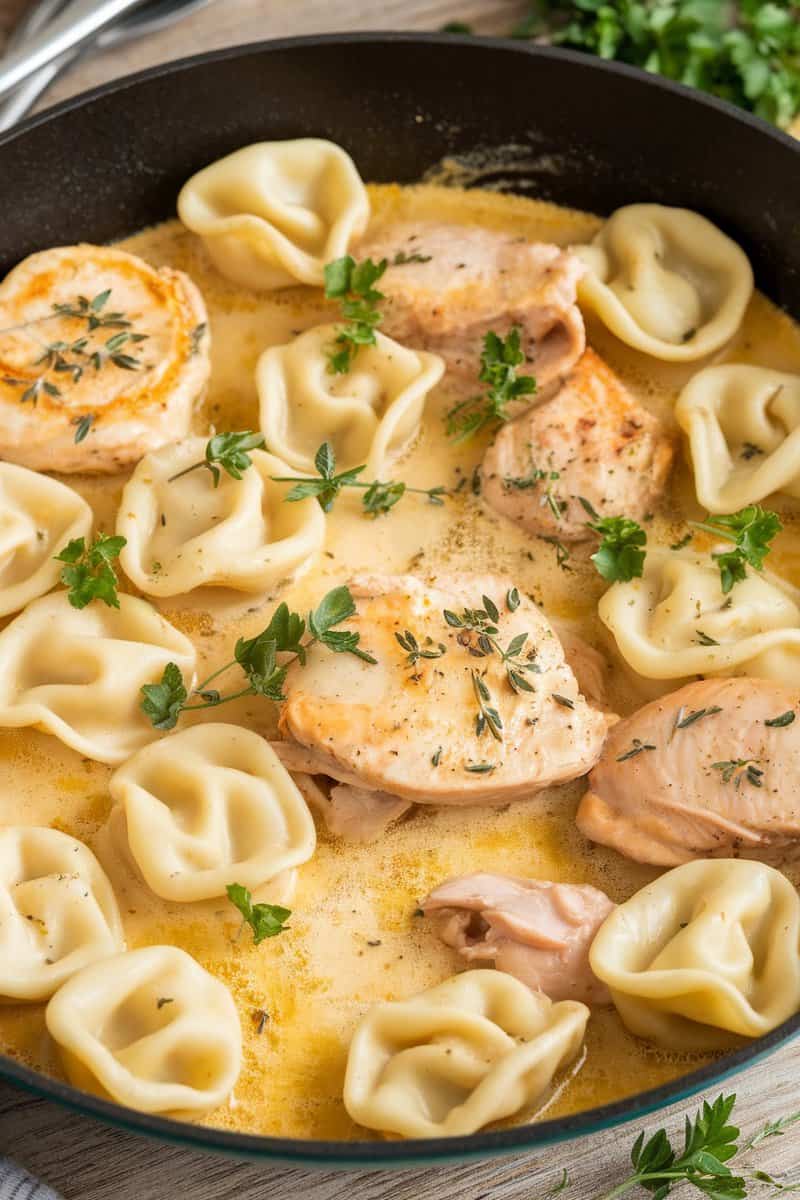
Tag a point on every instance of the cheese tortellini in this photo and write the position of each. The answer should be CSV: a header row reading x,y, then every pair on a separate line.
x,y
38,517
370,414
187,533
57,911
666,281
210,806
78,673
743,427
675,621
708,950
478,1047
275,213
150,1029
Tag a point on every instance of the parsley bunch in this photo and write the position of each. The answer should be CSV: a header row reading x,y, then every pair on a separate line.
x,y
500,359
257,657
353,284
751,530
226,452
265,920
89,572
748,53
378,497
620,555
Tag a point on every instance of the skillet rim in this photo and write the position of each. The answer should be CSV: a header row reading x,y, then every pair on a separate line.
x,y
413,1151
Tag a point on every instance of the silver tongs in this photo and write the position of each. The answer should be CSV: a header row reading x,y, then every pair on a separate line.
x,y
79,22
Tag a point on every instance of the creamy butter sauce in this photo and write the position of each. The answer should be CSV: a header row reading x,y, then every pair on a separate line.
x,y
354,936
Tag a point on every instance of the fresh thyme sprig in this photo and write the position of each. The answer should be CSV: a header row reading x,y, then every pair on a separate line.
x,y
353,284
226,452
740,769
265,920
378,498
500,359
415,651
488,717
257,657
536,475
620,555
479,629
637,747
751,530
710,1141
89,573
72,358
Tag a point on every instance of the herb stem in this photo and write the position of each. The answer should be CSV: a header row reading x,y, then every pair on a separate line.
x,y
187,471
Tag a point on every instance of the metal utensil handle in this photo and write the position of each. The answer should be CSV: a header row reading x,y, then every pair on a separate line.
x,y
34,18
20,102
67,30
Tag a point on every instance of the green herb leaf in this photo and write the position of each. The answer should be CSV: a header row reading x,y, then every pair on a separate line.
x,y
620,555
353,284
500,359
752,531
162,702
378,497
265,920
782,721
89,573
226,452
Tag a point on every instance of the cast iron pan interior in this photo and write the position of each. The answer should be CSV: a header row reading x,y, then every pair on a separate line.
x,y
589,134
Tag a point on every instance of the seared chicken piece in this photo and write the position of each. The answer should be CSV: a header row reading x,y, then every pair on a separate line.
x,y
448,285
587,665
351,813
537,931
412,726
101,359
710,770
591,440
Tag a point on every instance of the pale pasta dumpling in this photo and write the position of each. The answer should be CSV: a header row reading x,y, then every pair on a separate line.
x,y
478,1047
186,533
708,950
743,429
78,673
273,214
369,415
210,806
38,516
57,911
666,281
150,1029
675,621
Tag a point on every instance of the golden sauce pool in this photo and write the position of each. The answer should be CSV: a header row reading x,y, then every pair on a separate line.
x,y
354,937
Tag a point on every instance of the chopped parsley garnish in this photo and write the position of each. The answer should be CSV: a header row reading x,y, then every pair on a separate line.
x,y
257,658
500,359
89,573
704,639
226,452
751,530
353,284
620,555
378,498
265,920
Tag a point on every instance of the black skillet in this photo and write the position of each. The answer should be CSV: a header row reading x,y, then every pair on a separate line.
x,y
588,134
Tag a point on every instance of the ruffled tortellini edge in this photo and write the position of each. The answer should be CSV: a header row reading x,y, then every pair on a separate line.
x,y
482,1034
370,415
274,213
165,556
150,1029
231,791
671,954
705,247
627,611
58,513
46,865
742,424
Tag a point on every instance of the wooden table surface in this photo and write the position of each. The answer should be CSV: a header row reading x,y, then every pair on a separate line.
x,y
88,1161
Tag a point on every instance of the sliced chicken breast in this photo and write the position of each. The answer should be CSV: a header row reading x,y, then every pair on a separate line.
x,y
421,728
539,932
710,770
351,813
101,359
593,441
448,285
